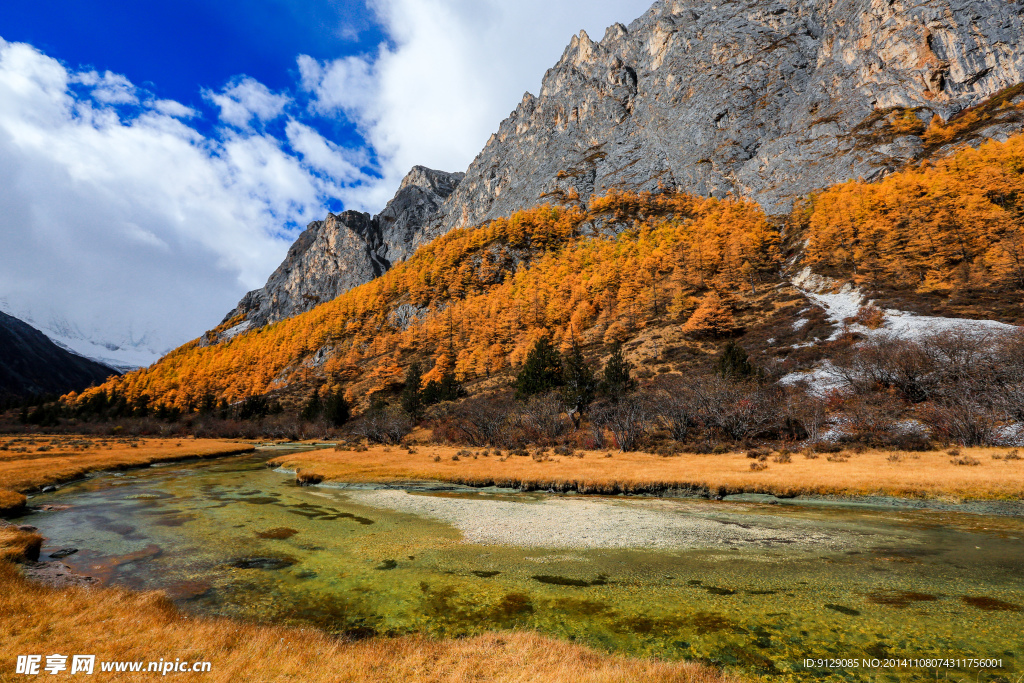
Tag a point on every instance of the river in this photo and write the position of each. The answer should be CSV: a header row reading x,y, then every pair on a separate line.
x,y
752,586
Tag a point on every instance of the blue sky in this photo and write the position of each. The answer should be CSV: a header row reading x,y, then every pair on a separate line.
x,y
158,158
177,48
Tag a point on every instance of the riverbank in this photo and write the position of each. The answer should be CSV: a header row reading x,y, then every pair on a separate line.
x,y
46,608
985,473
118,625
29,464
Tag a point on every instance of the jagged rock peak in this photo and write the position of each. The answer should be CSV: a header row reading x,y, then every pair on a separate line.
x,y
769,100
419,198
343,251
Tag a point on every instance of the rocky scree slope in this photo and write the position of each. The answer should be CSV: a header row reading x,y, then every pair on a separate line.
x,y
340,252
32,365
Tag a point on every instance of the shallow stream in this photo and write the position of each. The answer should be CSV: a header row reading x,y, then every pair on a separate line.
x,y
751,586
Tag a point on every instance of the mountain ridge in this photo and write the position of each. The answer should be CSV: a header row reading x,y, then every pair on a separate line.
x,y
767,101
763,100
32,365
340,252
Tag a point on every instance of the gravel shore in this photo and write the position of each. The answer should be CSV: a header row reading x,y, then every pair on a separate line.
x,y
589,523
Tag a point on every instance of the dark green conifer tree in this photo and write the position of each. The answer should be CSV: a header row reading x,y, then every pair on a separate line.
x,y
734,362
580,384
312,409
618,375
542,370
336,410
412,395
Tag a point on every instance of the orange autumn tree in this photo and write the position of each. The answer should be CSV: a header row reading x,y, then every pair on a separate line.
x,y
957,222
473,301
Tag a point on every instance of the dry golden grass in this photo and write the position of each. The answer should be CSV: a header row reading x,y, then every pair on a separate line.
x,y
118,625
29,463
922,475
17,545
11,501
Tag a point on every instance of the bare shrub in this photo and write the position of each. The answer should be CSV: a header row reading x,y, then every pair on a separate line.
x,y
885,362
479,421
542,416
758,466
675,406
872,418
628,420
870,317
758,453
966,418
966,460
385,425
736,409
1012,455
783,457
809,411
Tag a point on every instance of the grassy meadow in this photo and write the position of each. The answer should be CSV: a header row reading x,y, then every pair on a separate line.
x,y
965,473
116,624
28,463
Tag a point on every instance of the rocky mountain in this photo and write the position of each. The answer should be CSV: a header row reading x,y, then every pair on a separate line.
x,y
768,100
344,250
31,364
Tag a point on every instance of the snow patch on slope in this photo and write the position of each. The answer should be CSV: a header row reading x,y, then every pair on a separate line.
x,y
124,358
843,302
820,381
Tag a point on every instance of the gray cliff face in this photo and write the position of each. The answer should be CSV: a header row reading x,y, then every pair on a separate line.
x,y
343,251
417,201
762,99
768,99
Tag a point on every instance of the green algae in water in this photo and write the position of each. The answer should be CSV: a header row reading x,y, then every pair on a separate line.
x,y
601,580
757,611
848,611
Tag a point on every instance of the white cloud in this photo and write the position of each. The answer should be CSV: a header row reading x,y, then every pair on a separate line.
x,y
133,224
345,84
343,165
172,108
124,222
245,99
453,70
108,88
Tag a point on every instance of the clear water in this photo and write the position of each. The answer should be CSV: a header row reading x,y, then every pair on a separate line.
x,y
233,538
